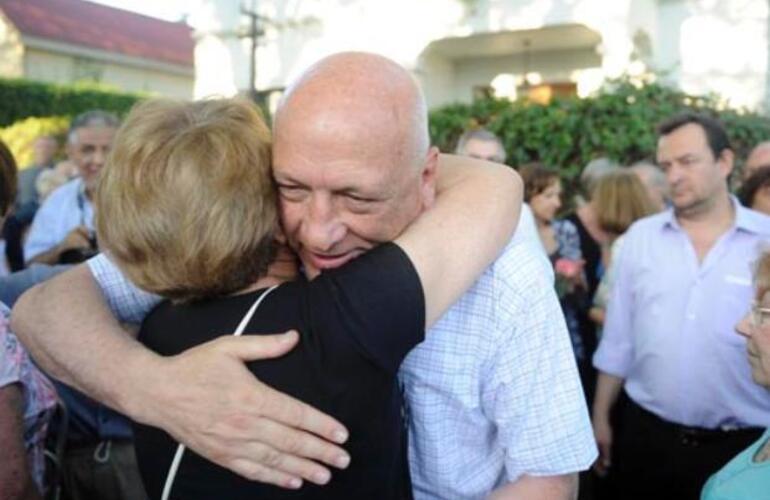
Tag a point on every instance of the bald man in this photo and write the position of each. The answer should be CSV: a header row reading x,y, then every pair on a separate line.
x,y
494,404
758,158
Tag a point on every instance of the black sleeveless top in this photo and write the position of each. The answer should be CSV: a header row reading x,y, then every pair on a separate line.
x,y
356,325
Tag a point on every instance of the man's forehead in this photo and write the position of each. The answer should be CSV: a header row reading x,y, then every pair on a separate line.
x,y
95,134
690,137
474,145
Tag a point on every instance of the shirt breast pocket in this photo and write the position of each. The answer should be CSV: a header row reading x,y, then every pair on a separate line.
x,y
733,303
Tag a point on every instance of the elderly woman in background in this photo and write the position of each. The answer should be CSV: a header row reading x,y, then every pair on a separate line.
x,y
620,199
27,397
747,476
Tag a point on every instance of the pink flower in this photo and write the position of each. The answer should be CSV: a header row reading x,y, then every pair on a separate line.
x,y
568,268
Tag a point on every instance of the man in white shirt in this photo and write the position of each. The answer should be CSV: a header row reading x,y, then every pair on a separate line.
x,y
64,224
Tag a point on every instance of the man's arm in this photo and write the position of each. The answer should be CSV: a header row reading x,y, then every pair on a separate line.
x,y
449,236
563,487
15,479
607,390
613,355
205,397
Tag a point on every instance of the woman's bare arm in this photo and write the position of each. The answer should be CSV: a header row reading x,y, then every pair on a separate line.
x,y
474,216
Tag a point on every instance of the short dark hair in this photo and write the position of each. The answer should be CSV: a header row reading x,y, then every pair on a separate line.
x,y
7,179
757,181
537,178
716,135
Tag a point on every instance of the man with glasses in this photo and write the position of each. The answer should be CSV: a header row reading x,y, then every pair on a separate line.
x,y
683,282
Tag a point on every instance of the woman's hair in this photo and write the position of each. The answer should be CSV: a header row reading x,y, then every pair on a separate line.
x,y
620,199
537,178
756,182
7,179
592,174
185,204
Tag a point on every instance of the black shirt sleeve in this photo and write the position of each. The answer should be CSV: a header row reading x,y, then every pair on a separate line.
x,y
377,301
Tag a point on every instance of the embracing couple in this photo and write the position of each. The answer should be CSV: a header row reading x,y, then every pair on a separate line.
x,y
415,287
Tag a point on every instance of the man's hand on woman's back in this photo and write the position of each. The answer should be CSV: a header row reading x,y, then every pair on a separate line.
x,y
204,397
214,405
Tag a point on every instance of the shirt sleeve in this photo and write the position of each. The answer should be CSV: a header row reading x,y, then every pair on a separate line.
x,y
533,390
377,300
127,302
615,351
44,233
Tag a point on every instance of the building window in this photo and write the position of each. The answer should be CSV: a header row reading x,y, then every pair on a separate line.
x,y
86,70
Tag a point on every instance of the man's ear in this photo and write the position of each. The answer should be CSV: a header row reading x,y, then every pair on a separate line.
x,y
726,162
428,178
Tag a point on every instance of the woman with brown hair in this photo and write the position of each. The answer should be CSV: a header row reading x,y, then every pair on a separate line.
x,y
186,207
620,199
543,190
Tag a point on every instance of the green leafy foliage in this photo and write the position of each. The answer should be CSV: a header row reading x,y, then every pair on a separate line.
x,y
619,123
21,99
20,136
30,109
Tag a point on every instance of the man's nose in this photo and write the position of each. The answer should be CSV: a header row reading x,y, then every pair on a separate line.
x,y
98,157
322,228
673,175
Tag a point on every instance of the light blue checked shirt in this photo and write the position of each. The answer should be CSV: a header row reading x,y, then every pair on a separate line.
x,y
670,328
492,394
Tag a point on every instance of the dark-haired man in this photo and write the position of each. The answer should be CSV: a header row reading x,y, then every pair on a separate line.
x,y
683,280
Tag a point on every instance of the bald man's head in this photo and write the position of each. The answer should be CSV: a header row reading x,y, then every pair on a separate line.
x,y
365,98
351,157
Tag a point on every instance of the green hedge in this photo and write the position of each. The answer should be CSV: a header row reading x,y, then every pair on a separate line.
x,y
21,99
619,123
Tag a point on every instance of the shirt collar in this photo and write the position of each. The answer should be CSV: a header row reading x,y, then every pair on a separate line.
x,y
744,218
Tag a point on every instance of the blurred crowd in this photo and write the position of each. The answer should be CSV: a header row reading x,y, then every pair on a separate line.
x,y
661,273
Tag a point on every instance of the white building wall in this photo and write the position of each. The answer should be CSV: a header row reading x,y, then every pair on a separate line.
x,y
716,47
705,45
52,67
11,50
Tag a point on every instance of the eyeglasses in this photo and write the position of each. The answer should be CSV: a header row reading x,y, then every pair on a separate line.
x,y
760,316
